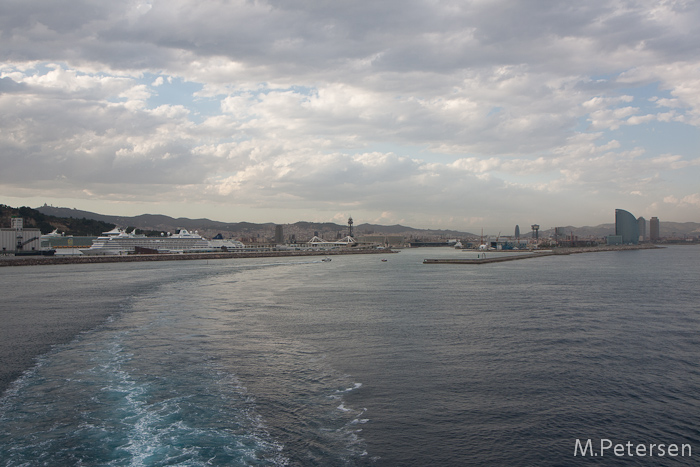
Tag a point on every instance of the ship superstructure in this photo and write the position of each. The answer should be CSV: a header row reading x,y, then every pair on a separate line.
x,y
118,242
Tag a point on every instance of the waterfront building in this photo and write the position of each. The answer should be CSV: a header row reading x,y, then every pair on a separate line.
x,y
614,240
316,242
654,229
642,223
627,227
23,240
17,238
384,240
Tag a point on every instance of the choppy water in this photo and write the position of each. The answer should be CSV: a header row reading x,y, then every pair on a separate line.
x,y
362,362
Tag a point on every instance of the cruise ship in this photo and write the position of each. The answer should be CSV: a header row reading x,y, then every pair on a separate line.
x,y
119,242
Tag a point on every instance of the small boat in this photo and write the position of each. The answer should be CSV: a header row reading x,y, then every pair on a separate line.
x,y
326,260
384,260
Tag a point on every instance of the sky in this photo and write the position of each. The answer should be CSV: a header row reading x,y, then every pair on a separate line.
x,y
450,114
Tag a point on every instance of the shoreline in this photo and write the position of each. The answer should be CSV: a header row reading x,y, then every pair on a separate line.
x,y
51,260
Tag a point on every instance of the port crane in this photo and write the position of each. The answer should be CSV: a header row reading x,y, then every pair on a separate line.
x,y
20,243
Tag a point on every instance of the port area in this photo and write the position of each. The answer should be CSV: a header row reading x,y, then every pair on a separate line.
x,y
46,260
500,256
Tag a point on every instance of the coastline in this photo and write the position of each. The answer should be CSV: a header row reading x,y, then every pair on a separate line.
x,y
49,260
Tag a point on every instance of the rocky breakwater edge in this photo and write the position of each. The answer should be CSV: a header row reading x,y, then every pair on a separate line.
x,y
559,251
48,260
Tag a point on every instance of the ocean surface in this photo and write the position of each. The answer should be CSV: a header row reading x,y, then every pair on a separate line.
x,y
359,362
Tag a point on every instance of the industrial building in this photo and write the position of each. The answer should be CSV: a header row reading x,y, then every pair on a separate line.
x,y
19,239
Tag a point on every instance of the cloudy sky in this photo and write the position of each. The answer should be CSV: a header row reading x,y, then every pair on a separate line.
x,y
453,114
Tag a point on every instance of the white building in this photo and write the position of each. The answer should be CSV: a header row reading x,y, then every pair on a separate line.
x,y
320,243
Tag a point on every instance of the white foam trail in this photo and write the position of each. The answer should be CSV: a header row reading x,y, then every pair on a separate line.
x,y
355,386
343,408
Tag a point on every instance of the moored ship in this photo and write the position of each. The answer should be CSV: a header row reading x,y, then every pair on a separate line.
x,y
118,242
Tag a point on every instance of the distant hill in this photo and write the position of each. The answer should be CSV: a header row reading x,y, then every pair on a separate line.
x,y
46,223
672,229
156,221
209,228
398,229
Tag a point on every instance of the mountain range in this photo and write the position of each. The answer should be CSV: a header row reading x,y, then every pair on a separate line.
x,y
209,228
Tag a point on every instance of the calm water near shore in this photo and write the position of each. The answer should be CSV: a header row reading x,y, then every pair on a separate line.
x,y
293,361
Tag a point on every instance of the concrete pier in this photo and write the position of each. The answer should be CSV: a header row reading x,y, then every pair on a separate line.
x,y
495,259
46,260
518,255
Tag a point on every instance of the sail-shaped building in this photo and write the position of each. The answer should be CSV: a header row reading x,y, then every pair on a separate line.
x,y
627,227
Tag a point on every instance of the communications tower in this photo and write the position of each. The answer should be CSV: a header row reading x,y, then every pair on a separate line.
x,y
350,227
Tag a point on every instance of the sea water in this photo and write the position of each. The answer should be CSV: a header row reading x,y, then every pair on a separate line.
x,y
294,361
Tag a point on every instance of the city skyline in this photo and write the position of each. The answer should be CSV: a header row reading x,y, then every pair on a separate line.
x,y
435,115
243,229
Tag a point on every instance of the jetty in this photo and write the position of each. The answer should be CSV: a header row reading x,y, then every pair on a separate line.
x,y
487,260
509,255
79,259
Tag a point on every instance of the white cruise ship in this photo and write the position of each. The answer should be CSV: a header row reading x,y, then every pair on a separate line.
x,y
118,242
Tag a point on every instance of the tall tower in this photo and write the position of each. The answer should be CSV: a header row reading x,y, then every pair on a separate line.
x,y
654,229
517,232
535,231
642,229
350,227
626,226
279,234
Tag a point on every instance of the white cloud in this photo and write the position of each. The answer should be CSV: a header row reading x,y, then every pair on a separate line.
x,y
412,110
688,200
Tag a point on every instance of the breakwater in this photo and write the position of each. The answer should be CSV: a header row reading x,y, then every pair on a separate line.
x,y
518,255
46,260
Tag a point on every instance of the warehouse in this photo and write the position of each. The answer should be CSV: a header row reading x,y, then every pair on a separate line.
x,y
17,238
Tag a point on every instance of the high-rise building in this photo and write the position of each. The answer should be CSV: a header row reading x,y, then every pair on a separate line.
x,y
654,229
642,223
279,234
626,226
